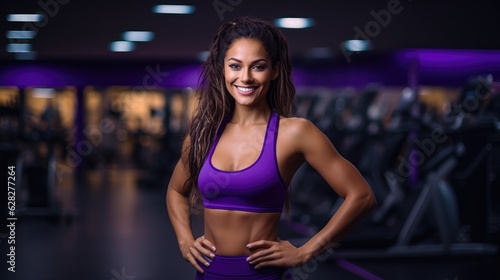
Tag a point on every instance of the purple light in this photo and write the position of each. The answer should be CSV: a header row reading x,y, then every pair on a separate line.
x,y
452,61
35,76
56,76
183,77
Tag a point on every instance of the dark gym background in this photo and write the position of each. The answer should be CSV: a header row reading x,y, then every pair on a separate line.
x,y
93,135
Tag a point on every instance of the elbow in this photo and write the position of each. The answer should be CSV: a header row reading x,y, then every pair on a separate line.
x,y
364,201
370,202
367,202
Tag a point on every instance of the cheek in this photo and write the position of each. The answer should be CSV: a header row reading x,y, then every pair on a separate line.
x,y
228,75
266,77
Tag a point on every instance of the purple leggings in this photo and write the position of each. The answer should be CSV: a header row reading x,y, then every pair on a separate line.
x,y
237,268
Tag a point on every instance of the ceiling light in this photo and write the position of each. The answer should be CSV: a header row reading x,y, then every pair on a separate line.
x,y
121,46
295,23
17,48
173,9
20,34
25,17
358,45
138,36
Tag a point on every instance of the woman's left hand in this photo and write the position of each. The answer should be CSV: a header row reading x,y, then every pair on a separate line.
x,y
279,253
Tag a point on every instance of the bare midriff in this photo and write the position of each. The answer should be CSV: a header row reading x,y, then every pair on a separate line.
x,y
230,231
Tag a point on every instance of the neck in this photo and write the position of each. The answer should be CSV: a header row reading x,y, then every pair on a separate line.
x,y
246,116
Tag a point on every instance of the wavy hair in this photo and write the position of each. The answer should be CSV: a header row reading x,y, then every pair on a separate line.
x,y
215,104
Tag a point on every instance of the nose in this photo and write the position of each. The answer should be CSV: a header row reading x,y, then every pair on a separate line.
x,y
246,76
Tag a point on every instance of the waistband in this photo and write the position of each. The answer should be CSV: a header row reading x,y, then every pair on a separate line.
x,y
238,266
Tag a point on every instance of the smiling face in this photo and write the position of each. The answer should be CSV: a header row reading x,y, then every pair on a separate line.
x,y
248,72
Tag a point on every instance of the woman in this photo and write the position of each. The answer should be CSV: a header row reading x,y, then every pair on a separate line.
x,y
241,152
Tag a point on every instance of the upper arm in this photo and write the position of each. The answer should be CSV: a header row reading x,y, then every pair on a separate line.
x,y
317,150
180,175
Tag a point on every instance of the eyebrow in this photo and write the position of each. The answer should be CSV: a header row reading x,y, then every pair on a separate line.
x,y
255,61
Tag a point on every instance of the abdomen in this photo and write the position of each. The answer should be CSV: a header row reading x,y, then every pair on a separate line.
x,y
230,231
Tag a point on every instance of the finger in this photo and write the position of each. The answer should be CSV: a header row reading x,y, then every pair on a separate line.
x,y
202,249
193,262
260,244
267,256
276,259
199,257
259,255
270,257
268,260
208,244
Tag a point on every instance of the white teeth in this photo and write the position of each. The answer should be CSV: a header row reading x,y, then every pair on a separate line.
x,y
245,89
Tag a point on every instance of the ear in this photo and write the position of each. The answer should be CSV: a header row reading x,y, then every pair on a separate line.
x,y
276,71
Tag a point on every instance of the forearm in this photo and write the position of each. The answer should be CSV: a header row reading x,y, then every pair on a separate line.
x,y
178,212
345,219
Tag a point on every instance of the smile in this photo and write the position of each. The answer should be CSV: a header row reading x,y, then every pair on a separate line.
x,y
245,89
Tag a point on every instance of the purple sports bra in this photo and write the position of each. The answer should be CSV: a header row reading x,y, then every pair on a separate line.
x,y
257,188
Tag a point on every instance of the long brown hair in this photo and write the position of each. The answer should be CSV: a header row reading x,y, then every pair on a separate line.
x,y
214,101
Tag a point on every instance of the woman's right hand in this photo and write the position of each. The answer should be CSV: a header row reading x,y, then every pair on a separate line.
x,y
199,249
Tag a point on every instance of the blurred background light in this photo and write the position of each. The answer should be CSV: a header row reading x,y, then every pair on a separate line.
x,y
20,34
202,56
17,48
294,23
24,17
138,36
173,9
122,46
358,45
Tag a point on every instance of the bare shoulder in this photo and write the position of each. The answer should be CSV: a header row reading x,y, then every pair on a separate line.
x,y
296,126
304,136
296,132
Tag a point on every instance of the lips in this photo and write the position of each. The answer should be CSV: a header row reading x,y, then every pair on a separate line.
x,y
246,90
